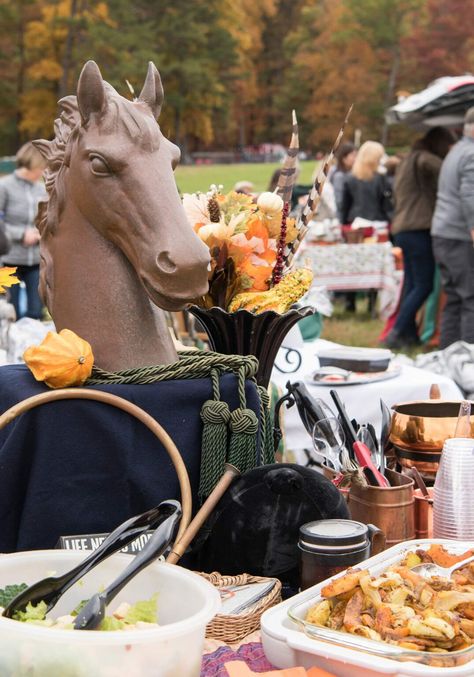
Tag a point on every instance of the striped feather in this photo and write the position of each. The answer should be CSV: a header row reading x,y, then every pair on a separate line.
x,y
314,197
287,178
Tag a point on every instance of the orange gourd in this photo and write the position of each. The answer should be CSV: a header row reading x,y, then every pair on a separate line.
x,y
61,360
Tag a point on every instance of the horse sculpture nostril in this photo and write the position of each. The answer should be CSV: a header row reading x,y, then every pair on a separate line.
x,y
165,263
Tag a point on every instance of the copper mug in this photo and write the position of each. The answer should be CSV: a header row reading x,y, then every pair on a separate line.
x,y
424,514
391,508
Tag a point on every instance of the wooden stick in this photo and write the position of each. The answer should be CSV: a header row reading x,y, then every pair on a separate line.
x,y
202,515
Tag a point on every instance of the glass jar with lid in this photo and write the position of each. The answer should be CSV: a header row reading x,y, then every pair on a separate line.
x,y
329,546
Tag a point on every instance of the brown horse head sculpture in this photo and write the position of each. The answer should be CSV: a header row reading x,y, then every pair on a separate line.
x,y
115,241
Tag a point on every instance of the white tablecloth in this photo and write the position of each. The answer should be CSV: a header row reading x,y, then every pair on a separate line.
x,y
362,401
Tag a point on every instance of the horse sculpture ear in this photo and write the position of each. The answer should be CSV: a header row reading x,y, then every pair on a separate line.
x,y
43,146
152,92
90,91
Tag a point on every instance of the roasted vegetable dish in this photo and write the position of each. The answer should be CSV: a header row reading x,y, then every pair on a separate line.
x,y
400,607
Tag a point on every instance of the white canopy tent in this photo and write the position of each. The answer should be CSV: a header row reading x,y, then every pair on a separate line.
x,y
443,103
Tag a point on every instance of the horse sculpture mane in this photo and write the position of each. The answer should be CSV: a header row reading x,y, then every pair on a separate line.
x,y
54,152
115,242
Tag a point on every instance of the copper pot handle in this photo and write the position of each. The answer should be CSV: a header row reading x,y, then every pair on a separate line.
x,y
377,539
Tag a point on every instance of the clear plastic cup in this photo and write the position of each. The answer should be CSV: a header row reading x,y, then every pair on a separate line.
x,y
453,507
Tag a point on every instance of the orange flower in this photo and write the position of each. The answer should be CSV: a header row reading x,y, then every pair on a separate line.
x,y
257,271
256,228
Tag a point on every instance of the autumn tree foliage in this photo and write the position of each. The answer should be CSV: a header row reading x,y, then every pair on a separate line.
x,y
441,42
232,69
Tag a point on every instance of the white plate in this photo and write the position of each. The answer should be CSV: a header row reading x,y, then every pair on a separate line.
x,y
355,377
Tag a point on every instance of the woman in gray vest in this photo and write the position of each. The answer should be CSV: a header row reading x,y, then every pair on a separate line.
x,y
20,194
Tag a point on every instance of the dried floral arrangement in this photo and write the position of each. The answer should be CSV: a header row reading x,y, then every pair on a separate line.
x,y
253,244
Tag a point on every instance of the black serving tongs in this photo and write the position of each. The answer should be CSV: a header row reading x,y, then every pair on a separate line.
x,y
50,589
91,615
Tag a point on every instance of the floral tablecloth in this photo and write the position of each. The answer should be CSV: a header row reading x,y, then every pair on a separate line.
x,y
218,654
351,267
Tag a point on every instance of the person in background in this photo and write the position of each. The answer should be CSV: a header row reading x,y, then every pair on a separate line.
x,y
452,232
414,193
345,158
20,194
366,192
244,187
391,165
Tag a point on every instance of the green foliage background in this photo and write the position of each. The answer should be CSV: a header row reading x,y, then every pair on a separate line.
x,y
233,69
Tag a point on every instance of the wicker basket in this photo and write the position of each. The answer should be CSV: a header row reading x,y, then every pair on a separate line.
x,y
233,628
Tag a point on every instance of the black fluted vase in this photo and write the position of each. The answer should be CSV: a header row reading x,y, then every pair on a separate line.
x,y
246,333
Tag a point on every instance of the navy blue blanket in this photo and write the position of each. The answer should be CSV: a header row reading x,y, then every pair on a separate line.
x,y
78,466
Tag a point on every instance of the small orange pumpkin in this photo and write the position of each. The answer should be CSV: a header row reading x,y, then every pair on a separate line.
x,y
61,360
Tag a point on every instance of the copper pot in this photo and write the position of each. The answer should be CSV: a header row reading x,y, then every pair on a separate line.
x,y
419,430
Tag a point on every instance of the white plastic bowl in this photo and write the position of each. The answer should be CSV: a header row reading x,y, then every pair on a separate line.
x,y
186,603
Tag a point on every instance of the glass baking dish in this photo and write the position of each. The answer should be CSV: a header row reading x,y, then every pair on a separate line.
x,y
376,565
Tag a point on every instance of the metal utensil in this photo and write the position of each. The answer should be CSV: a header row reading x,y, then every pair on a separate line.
x,y
90,617
328,440
429,569
50,589
357,450
324,372
373,434
347,426
384,434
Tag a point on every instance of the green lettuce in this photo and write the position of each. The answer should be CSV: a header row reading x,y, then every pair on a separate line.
x,y
145,611
111,623
80,606
32,613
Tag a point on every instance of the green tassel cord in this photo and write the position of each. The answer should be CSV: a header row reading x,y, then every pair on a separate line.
x,y
215,416
243,429
266,427
227,436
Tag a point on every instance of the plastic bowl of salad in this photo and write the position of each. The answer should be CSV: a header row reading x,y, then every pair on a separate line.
x,y
155,627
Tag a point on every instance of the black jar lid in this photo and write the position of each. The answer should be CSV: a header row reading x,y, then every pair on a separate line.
x,y
334,534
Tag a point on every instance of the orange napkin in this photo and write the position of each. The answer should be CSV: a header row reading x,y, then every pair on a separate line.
x,y
240,669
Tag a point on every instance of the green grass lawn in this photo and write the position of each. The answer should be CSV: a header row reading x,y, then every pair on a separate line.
x,y
359,328
199,177
352,329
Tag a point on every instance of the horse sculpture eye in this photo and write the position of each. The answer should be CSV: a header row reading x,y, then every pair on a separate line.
x,y
99,166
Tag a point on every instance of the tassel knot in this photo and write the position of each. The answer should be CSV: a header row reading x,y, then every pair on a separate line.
x,y
243,422
215,412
